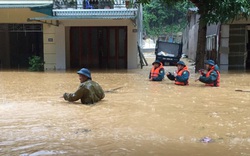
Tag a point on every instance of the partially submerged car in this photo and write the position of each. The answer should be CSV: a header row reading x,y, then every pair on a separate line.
x,y
167,52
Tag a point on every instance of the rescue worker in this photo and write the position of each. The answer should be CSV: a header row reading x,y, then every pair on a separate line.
x,y
212,77
157,72
181,76
89,91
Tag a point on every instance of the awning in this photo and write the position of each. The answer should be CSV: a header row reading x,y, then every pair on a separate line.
x,y
81,14
80,17
45,9
54,20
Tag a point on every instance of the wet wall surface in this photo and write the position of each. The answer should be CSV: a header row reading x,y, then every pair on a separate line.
x,y
140,118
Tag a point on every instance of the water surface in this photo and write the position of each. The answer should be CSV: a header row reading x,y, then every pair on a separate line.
x,y
141,118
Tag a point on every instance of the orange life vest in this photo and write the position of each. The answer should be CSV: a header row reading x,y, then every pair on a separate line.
x,y
179,73
155,71
217,82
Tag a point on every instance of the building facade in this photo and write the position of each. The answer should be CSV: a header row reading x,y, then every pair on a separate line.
x,y
70,34
228,43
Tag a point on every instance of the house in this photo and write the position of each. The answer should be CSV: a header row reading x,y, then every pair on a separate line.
x,y
228,43
70,34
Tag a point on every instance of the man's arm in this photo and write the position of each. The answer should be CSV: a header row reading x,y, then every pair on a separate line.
x,y
74,96
212,77
170,76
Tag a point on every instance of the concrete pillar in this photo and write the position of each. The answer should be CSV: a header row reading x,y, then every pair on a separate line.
x,y
49,47
224,47
132,47
60,48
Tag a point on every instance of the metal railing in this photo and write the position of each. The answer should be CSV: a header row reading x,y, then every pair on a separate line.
x,y
94,4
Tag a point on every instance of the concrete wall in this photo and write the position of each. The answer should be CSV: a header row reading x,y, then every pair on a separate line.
x,y
193,36
17,15
224,47
49,40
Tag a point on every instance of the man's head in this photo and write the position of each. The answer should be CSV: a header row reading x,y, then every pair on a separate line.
x,y
156,63
180,65
84,75
209,64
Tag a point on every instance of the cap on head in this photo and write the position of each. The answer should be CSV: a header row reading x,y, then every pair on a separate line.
x,y
86,72
210,62
181,63
156,61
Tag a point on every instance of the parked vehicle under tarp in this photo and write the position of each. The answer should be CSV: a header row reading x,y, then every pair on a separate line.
x,y
168,53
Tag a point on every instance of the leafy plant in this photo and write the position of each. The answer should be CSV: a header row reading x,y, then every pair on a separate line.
x,y
160,18
36,63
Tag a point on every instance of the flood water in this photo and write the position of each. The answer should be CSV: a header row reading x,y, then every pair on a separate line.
x,y
141,118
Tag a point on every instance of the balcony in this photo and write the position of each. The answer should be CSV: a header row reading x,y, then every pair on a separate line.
x,y
117,9
88,9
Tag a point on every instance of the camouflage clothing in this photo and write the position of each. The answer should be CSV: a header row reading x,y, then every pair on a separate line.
x,y
89,92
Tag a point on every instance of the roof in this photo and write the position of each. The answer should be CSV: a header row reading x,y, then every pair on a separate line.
x,y
24,4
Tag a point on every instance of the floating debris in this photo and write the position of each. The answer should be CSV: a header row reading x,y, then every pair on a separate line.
x,y
206,140
83,131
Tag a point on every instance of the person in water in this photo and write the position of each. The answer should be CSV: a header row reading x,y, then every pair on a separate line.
x,y
89,91
212,76
157,72
181,76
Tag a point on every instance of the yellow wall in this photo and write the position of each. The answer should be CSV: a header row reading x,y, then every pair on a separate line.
x,y
49,46
17,15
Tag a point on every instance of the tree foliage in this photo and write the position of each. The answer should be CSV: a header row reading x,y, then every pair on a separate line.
x,y
161,18
215,11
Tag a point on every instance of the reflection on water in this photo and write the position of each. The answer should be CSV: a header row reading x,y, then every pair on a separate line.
x,y
141,118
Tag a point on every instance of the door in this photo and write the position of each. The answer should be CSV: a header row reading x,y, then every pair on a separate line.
x,y
19,42
98,47
248,51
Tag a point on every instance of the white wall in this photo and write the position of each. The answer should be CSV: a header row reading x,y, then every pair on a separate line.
x,y
60,48
224,47
193,38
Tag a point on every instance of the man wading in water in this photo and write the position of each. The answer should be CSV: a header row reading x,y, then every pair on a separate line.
x,y
212,77
89,91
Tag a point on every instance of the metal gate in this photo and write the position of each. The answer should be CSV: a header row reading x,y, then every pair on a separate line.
x,y
18,43
98,47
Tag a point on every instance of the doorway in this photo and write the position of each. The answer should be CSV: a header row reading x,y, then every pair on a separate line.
x,y
248,51
19,42
98,47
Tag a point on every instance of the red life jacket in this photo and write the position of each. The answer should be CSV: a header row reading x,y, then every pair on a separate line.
x,y
217,82
155,71
179,73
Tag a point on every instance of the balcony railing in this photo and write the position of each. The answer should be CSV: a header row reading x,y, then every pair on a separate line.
x,y
105,9
94,4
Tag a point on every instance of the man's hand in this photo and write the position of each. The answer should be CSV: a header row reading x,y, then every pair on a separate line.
x,y
201,71
175,74
196,80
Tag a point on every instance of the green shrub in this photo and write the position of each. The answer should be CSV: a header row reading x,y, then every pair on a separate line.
x,y
36,63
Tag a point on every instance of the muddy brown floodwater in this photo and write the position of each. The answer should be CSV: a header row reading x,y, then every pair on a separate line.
x,y
141,118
